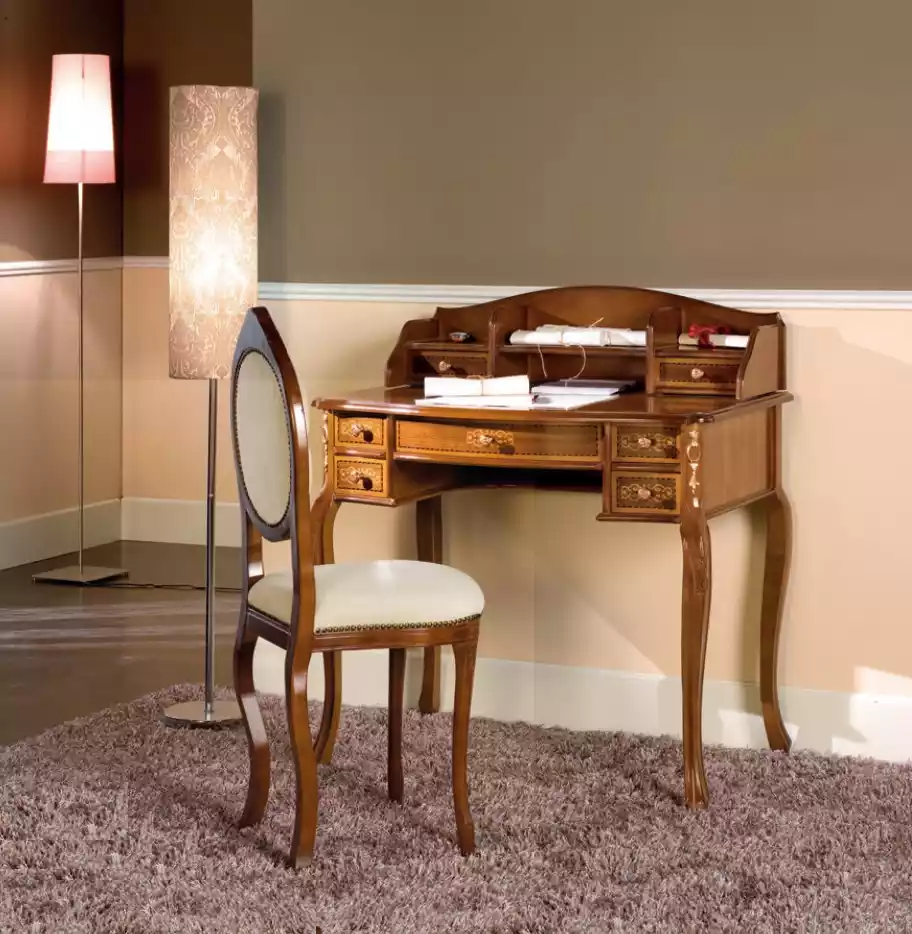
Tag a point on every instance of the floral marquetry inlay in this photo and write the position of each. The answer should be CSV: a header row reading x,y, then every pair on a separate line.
x,y
694,452
646,444
651,493
482,438
359,475
359,431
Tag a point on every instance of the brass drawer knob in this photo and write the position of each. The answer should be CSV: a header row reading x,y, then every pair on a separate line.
x,y
357,430
365,482
644,442
644,492
444,365
697,373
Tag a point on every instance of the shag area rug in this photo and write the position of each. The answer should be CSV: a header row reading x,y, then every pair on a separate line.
x,y
114,823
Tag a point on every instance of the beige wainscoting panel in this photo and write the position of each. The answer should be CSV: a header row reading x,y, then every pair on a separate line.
x,y
564,589
38,414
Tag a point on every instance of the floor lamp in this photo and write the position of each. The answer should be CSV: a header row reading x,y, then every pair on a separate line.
x,y
213,278
80,150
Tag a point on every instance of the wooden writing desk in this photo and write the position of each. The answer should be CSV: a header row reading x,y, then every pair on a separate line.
x,y
699,436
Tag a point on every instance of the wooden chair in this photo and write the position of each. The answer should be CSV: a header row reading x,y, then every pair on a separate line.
x,y
328,608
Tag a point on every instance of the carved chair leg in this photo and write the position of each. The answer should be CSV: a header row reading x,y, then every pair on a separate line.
x,y
775,580
332,707
429,529
323,519
695,606
305,763
257,740
464,655
394,735
429,698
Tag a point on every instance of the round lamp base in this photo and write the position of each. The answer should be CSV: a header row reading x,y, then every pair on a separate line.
x,y
196,715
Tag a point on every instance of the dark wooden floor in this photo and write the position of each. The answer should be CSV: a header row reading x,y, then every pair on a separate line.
x,y
67,651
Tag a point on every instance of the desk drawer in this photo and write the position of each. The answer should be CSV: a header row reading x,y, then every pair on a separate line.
x,y
645,493
360,476
644,443
357,430
449,364
699,375
560,443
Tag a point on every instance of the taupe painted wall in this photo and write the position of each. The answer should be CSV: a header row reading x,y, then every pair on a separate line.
x,y
39,221
544,142
171,42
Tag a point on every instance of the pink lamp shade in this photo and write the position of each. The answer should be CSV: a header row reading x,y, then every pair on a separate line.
x,y
80,143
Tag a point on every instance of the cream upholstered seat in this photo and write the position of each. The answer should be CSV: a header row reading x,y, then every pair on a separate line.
x,y
375,595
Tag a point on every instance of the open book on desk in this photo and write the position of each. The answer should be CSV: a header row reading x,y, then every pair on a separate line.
x,y
435,386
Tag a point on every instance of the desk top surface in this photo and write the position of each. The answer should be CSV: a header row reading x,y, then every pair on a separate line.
x,y
401,400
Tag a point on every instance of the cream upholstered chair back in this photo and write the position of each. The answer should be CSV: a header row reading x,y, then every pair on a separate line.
x,y
269,431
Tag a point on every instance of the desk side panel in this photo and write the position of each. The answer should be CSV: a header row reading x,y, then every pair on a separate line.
x,y
737,460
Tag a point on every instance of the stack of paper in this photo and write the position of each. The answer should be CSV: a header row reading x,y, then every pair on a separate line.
x,y
584,386
563,394
565,335
575,393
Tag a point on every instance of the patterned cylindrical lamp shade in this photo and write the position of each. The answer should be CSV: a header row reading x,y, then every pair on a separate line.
x,y
213,225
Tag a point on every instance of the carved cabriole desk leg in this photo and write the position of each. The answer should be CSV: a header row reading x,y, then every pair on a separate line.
x,y
322,521
429,522
775,580
697,591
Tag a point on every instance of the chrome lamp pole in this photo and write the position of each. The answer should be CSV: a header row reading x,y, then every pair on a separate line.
x,y
209,711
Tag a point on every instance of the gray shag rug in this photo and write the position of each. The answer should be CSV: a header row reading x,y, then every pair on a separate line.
x,y
114,823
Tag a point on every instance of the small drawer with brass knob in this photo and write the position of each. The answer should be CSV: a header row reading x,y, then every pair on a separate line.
x,y
645,493
360,476
709,374
449,364
360,431
645,443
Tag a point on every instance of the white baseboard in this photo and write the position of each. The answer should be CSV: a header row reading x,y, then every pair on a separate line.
x,y
36,538
598,699
577,698
179,521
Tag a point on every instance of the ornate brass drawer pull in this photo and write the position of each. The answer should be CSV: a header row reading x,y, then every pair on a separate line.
x,y
697,373
484,439
357,430
639,444
361,477
649,493
444,365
